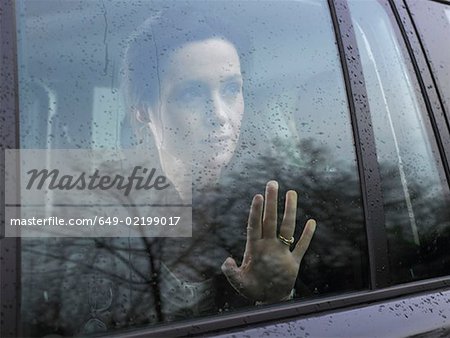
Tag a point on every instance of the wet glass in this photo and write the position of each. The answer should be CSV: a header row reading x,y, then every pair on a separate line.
x,y
414,189
272,106
432,20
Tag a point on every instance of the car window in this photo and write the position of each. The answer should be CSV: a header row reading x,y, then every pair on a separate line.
x,y
133,76
424,13
415,194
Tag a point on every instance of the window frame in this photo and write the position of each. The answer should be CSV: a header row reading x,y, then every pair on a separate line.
x,y
9,129
367,167
365,147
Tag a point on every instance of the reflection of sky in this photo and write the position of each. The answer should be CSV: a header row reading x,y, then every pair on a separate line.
x,y
297,79
294,87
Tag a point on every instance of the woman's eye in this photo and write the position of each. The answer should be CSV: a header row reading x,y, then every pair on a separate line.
x,y
189,94
231,89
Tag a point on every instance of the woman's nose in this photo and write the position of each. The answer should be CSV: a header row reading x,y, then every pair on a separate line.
x,y
218,109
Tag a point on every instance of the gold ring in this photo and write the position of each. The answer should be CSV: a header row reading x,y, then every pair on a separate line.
x,y
286,241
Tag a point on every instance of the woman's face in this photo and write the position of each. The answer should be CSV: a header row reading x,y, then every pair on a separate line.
x,y
197,122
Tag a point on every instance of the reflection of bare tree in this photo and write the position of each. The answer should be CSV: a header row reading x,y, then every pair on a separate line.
x,y
329,191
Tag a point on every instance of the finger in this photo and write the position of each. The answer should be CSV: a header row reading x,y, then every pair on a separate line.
x,y
254,222
290,214
269,227
232,272
303,243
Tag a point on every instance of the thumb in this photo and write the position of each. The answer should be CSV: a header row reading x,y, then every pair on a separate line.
x,y
231,271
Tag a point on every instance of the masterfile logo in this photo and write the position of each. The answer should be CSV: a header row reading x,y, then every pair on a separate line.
x,y
53,179
89,193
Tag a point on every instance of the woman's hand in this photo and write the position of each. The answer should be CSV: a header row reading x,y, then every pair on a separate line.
x,y
269,268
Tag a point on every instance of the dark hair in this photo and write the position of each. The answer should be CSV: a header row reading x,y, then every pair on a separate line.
x,y
150,46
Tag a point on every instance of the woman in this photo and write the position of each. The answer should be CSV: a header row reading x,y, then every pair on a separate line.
x,y
184,83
